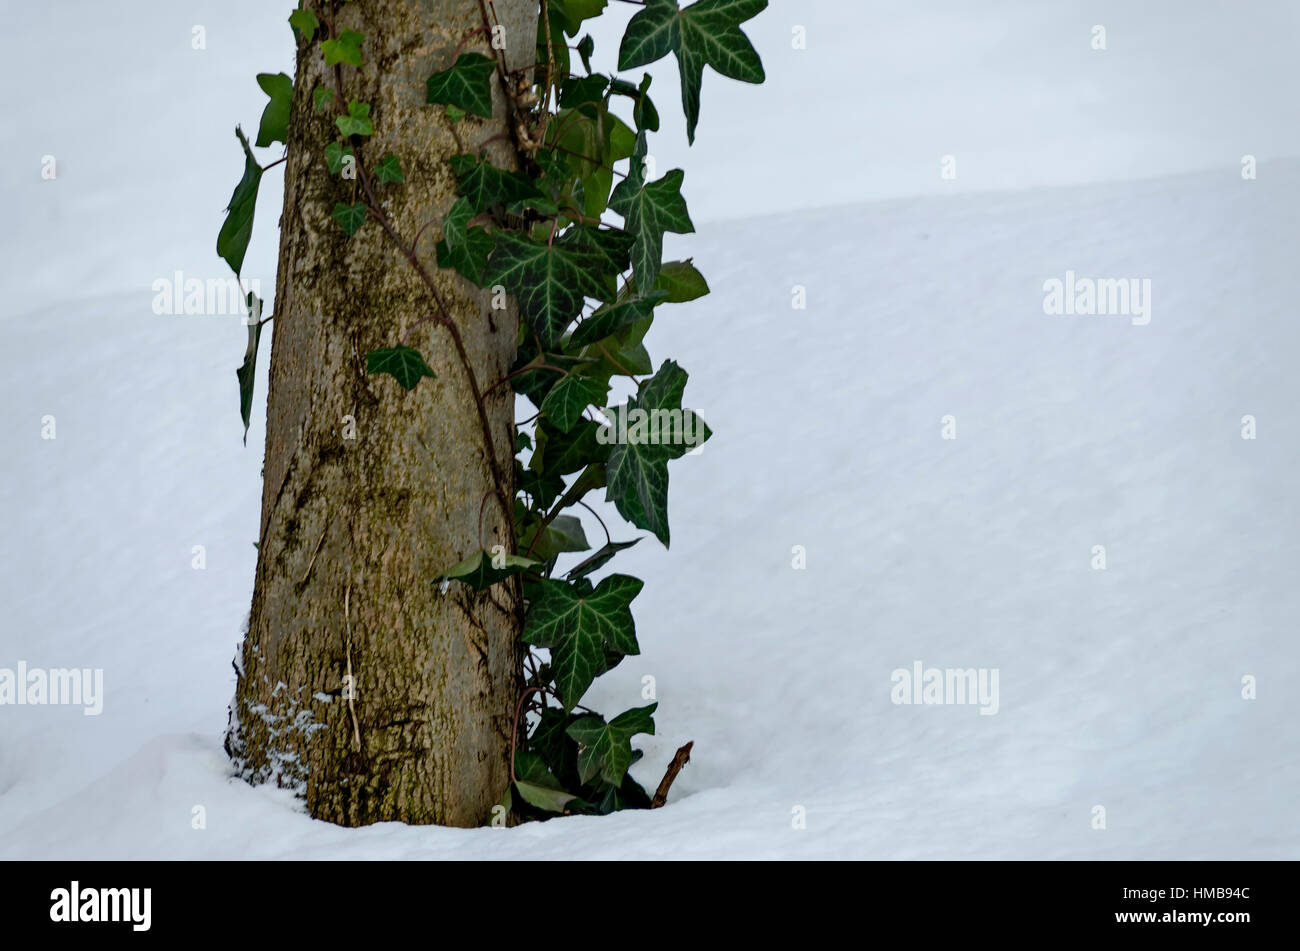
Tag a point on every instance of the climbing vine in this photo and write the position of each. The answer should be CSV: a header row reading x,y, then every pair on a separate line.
x,y
575,234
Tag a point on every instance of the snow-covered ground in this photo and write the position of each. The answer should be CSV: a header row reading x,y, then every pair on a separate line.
x,y
1118,687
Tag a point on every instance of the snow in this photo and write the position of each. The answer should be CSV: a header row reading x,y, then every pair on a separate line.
x,y
1119,687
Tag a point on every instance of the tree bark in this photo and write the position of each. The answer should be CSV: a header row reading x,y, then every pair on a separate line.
x,y
370,492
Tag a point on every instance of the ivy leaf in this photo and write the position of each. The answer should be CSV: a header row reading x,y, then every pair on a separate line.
x,y
564,453
467,84
605,749
536,784
402,363
579,623
275,117
248,369
350,217
681,282
345,49
357,121
305,23
567,399
321,98
335,152
599,559
564,534
464,248
480,570
650,210
611,318
232,240
389,170
650,35
704,34
550,281
586,46
483,184
656,429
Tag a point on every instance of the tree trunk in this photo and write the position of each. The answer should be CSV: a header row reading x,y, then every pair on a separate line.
x,y
370,492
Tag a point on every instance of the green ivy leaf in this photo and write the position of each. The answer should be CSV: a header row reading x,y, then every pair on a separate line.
x,y
248,369
536,784
611,318
346,49
564,453
586,46
232,240
334,155
649,211
704,34
480,570
638,463
305,23
464,248
550,281
467,84
322,97
389,170
357,121
579,623
567,399
275,117
402,363
598,560
350,217
483,184
564,534
681,282
605,749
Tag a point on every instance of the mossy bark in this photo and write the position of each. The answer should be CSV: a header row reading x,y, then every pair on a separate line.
x,y
370,492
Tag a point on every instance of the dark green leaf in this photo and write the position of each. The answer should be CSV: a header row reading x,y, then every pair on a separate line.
x,y
568,398
389,170
599,559
232,240
350,217
611,318
650,210
275,117
536,784
605,749
564,534
404,364
464,248
321,98
654,430
467,84
704,34
335,152
550,281
578,624
483,184
248,369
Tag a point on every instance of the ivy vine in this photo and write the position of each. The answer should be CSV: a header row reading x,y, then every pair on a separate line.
x,y
587,290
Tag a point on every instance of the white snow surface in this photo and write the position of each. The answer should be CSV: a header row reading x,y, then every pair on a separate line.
x,y
1119,687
